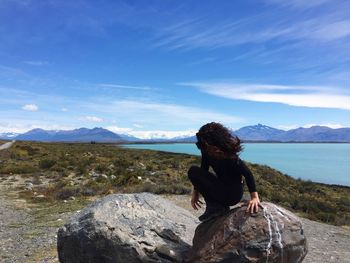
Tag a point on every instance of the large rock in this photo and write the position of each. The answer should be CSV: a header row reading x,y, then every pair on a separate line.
x,y
271,235
130,228
127,228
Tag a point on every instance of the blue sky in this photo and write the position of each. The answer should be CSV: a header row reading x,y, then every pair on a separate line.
x,y
142,66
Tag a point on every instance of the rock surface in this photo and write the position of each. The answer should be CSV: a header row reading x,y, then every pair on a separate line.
x,y
127,228
147,228
271,235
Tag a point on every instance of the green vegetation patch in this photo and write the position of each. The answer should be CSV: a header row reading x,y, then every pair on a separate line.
x,y
77,171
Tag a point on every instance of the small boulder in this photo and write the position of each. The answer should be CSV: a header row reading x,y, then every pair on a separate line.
x,y
127,228
104,176
271,235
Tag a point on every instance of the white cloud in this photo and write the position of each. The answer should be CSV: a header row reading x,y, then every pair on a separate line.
x,y
21,126
330,125
156,114
117,129
30,107
302,96
137,125
288,127
92,119
146,114
174,112
64,109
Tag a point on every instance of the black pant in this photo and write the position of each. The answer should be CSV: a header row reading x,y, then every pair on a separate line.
x,y
212,189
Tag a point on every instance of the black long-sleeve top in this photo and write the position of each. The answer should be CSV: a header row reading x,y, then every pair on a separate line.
x,y
229,171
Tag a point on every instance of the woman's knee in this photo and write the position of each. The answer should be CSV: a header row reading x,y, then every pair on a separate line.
x,y
193,172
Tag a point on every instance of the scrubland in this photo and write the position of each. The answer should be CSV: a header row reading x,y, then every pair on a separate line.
x,y
57,173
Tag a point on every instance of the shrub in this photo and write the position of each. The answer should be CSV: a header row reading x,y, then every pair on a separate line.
x,y
20,168
67,192
46,163
81,168
101,168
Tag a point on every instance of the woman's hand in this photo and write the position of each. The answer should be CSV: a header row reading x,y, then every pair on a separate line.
x,y
195,202
254,203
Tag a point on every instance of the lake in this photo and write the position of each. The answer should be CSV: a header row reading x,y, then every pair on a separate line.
x,y
319,162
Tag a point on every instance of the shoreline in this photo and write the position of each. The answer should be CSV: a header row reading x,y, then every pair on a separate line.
x,y
193,154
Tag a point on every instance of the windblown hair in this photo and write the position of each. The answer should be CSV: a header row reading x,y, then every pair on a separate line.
x,y
217,141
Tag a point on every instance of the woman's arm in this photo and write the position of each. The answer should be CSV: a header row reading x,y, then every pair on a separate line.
x,y
195,202
253,205
204,161
249,178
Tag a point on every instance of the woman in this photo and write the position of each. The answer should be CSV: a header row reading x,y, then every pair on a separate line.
x,y
224,188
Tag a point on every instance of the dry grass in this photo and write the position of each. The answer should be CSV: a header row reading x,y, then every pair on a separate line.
x,y
60,171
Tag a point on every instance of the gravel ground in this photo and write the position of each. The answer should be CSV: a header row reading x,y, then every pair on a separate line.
x,y
21,237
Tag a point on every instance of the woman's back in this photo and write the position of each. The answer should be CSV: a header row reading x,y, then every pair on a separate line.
x,y
229,170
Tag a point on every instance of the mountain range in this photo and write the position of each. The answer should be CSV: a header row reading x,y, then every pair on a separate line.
x,y
258,132
312,134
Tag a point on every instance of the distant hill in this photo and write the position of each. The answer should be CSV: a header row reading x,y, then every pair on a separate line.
x,y
317,134
262,132
257,132
186,139
77,135
8,135
129,138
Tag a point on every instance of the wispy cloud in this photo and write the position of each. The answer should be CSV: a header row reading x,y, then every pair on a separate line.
x,y
92,119
303,96
155,112
284,30
332,31
36,62
119,86
298,3
153,115
30,107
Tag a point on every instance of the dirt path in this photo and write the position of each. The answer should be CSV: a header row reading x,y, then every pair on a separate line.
x,y
24,231
6,145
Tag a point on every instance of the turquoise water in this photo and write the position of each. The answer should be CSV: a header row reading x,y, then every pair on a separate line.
x,y
319,162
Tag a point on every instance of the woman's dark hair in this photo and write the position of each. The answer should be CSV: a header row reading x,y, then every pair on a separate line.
x,y
217,141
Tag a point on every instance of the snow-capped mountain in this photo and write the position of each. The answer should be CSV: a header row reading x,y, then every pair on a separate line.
x,y
312,134
8,135
162,135
258,132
